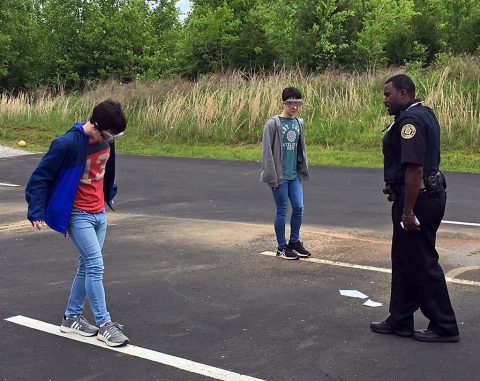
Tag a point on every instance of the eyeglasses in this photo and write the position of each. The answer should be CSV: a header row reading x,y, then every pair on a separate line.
x,y
109,137
294,103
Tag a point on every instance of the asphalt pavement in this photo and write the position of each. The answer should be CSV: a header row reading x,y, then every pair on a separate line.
x,y
184,274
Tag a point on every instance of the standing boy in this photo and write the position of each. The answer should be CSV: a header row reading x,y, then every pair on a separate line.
x,y
284,167
68,191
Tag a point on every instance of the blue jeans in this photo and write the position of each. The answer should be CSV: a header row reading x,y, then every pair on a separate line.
x,y
87,232
290,189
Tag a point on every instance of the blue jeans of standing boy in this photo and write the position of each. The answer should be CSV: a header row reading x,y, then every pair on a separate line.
x,y
290,189
87,232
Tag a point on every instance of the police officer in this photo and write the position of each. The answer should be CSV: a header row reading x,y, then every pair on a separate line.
x,y
411,149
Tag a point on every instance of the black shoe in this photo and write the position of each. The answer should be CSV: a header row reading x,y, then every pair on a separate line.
x,y
298,248
286,253
432,337
384,327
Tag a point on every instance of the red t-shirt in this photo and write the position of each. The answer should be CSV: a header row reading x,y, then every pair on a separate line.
x,y
89,197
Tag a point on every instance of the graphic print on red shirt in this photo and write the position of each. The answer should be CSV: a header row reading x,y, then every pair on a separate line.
x,y
89,197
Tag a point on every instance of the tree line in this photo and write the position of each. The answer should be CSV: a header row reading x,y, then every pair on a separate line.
x,y
70,43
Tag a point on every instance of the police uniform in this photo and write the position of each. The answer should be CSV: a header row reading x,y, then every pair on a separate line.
x,y
418,280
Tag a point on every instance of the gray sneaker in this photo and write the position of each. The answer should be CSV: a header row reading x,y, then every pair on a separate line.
x,y
112,335
78,324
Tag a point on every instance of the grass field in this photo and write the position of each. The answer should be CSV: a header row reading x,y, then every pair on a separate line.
x,y
222,116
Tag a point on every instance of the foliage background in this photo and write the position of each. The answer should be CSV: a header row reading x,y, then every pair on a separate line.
x,y
204,86
72,43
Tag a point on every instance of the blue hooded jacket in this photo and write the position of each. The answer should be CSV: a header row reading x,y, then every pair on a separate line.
x,y
51,190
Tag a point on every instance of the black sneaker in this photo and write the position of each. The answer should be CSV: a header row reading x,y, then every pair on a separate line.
x,y
286,253
297,248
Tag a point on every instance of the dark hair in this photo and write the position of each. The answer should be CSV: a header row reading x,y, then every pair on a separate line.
x,y
402,82
291,93
108,115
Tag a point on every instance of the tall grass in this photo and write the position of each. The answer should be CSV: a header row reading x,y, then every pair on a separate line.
x,y
342,110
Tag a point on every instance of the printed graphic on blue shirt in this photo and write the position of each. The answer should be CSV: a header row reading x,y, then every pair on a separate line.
x,y
290,136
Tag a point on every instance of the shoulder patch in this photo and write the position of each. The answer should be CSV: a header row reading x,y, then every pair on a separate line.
x,y
408,131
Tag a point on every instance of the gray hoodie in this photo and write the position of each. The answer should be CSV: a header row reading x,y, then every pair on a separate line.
x,y
272,153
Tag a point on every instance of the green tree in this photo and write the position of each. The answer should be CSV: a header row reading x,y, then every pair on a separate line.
x,y
283,31
128,38
74,29
207,39
462,25
220,35
161,58
428,26
20,66
387,36
312,33
327,35
98,39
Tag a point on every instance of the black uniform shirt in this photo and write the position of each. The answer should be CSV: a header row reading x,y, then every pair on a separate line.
x,y
412,141
404,143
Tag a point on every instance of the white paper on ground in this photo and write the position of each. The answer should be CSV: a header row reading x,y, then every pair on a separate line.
x,y
353,294
371,303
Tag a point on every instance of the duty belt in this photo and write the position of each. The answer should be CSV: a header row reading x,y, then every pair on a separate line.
x,y
432,183
399,189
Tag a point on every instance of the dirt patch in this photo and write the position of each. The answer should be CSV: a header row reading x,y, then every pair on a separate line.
x,y
457,248
354,246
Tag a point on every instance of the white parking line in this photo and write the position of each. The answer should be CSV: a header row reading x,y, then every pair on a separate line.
x,y
8,185
460,270
131,350
460,223
368,268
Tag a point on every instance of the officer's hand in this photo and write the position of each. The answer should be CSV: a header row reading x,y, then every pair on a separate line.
x,y
410,222
38,224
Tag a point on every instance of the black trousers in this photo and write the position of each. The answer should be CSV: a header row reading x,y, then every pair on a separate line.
x,y
418,280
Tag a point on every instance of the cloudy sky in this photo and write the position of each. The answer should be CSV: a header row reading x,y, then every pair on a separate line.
x,y
184,6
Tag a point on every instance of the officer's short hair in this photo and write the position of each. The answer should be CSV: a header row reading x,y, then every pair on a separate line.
x,y
108,115
402,82
291,93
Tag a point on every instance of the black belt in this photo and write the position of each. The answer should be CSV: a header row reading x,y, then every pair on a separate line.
x,y
432,184
399,189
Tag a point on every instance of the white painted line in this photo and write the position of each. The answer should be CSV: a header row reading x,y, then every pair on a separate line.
x,y
460,223
460,270
8,185
335,263
369,268
131,350
462,281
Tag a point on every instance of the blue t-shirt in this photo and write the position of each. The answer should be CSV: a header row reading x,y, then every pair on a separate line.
x,y
290,136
